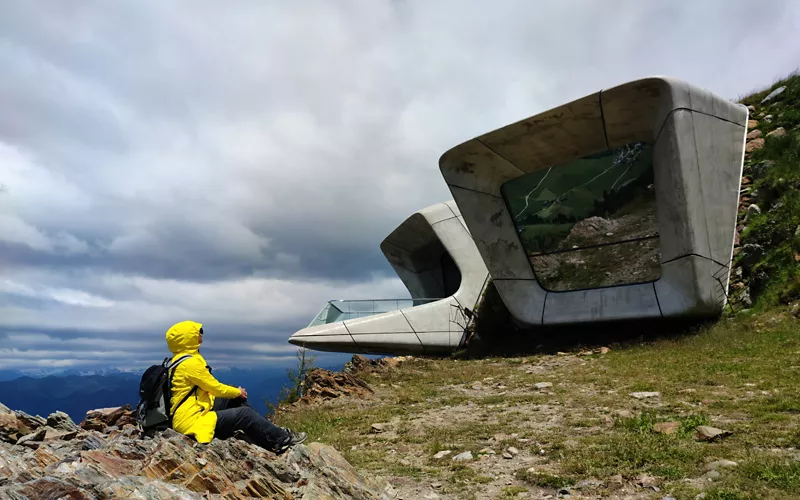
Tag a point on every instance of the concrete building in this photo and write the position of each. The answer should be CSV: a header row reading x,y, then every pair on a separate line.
x,y
619,205
435,257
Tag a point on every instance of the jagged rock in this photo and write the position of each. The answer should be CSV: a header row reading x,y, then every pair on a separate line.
x,y
61,421
513,451
12,428
172,465
37,435
751,124
377,428
101,419
29,420
325,384
463,457
93,441
507,455
59,435
360,365
542,385
751,108
778,132
754,145
772,95
442,454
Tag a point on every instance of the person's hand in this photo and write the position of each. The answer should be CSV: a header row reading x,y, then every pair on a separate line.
x,y
242,393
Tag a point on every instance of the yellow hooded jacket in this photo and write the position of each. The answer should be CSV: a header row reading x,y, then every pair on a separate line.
x,y
194,417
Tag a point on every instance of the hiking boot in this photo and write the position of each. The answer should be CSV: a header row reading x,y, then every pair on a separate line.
x,y
294,438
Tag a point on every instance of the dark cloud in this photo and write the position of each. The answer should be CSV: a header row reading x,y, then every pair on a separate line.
x,y
242,163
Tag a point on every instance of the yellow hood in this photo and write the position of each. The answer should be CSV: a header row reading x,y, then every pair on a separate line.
x,y
184,337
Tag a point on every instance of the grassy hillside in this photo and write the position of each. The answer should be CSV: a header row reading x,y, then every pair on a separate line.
x,y
540,422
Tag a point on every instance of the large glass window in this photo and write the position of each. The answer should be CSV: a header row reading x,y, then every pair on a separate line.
x,y
591,222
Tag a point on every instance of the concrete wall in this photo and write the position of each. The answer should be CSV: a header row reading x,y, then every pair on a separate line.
x,y
414,249
698,143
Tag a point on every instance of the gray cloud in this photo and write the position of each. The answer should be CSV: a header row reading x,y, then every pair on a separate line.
x,y
240,164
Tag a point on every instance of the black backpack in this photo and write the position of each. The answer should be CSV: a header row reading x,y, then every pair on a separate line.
x,y
153,413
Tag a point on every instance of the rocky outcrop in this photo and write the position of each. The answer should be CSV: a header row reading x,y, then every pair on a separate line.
x,y
360,365
321,384
102,419
115,462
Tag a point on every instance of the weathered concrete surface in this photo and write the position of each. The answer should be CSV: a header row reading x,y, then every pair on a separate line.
x,y
698,143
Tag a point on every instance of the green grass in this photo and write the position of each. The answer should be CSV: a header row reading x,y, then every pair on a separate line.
x,y
775,278
544,479
779,474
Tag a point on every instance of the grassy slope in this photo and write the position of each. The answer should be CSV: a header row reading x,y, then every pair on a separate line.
x,y
740,375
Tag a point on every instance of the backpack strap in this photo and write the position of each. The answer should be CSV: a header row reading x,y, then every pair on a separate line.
x,y
172,367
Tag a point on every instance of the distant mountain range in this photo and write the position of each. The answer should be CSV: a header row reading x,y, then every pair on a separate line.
x,y
77,391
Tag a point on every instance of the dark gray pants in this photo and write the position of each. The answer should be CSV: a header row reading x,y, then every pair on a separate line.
x,y
236,414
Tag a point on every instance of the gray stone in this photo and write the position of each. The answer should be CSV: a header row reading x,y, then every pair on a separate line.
x,y
61,421
778,132
751,254
377,428
718,464
93,441
463,457
513,450
645,395
442,454
708,433
761,167
588,484
507,456
712,475
542,385
752,210
772,95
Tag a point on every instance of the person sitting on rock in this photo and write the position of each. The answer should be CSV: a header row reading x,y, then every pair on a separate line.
x,y
211,408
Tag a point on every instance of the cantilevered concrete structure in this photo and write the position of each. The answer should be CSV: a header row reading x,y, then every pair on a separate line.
x,y
618,205
435,257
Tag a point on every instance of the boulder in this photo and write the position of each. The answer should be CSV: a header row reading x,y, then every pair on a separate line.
x,y
61,421
708,433
754,145
778,132
754,134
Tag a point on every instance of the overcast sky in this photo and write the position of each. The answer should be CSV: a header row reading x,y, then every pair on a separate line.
x,y
238,163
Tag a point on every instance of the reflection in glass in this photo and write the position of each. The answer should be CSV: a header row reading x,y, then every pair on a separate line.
x,y
591,222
